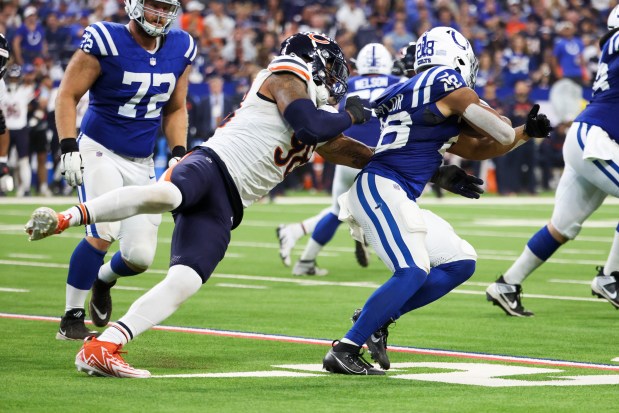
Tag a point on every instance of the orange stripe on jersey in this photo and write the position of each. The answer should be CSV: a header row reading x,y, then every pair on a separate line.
x,y
286,68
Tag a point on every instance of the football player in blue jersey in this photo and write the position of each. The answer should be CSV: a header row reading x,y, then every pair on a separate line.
x,y
420,119
137,78
591,173
374,63
276,129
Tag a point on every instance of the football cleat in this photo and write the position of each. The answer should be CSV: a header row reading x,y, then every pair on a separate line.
x,y
508,297
377,343
102,358
362,253
308,267
349,362
100,306
605,286
45,222
288,235
73,327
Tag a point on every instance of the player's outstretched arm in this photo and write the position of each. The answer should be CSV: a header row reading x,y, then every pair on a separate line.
x,y
345,151
474,146
465,102
311,125
175,119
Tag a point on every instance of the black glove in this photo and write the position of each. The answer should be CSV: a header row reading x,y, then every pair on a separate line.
x,y
359,109
4,169
455,179
398,68
538,125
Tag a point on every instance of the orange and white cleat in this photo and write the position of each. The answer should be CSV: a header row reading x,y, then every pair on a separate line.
x,y
45,222
102,358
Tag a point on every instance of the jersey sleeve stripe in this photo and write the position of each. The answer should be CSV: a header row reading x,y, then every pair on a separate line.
x,y
285,68
428,88
99,40
108,37
190,48
195,52
418,86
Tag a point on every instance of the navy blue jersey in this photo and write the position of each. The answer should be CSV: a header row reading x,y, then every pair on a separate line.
x,y
124,111
604,106
414,133
368,87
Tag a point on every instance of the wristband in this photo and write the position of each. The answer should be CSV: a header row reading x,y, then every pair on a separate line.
x,y
68,145
178,151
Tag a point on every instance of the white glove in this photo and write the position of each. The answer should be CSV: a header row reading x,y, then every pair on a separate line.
x,y
173,161
71,168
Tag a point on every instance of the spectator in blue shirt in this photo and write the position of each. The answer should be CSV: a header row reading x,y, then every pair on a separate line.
x,y
29,41
568,59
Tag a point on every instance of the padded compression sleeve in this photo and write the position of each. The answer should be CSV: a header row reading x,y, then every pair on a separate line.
x,y
312,125
489,123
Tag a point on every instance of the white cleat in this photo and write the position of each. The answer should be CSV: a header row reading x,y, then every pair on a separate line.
x,y
288,235
44,222
308,267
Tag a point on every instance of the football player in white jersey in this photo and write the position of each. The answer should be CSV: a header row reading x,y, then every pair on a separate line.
x,y
137,79
374,64
277,128
6,181
421,119
591,173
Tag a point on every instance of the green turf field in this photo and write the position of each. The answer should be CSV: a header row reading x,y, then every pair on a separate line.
x,y
279,371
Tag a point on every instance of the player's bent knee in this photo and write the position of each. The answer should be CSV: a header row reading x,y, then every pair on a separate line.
x,y
139,257
164,196
569,231
184,280
467,251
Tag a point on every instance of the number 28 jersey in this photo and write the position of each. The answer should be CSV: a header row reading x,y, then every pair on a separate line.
x,y
124,111
414,133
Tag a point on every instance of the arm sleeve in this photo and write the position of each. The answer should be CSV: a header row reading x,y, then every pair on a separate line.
x,y
311,125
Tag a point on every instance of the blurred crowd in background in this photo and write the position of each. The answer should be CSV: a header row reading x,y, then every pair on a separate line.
x,y
529,51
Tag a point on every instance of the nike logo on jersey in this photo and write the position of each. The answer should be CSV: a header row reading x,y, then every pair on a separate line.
x,y
151,177
99,313
378,206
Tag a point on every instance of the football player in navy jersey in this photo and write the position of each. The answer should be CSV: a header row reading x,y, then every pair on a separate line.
x,y
374,63
591,173
136,75
277,128
6,181
421,119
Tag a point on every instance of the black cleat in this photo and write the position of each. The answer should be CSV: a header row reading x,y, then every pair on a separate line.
x,y
362,253
349,361
100,306
377,343
72,326
508,297
605,286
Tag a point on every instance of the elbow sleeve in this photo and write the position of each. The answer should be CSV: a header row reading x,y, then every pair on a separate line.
x,y
312,125
492,125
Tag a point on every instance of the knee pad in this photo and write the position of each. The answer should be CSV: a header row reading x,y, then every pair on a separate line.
x,y
569,230
466,251
139,256
165,194
415,225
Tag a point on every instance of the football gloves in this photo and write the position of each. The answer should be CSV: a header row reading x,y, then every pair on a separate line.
x,y
71,162
538,125
359,109
177,153
455,179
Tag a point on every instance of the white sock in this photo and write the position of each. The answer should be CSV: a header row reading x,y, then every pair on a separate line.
x,y
106,274
347,341
524,265
612,264
309,224
75,298
128,201
312,249
156,305
25,174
